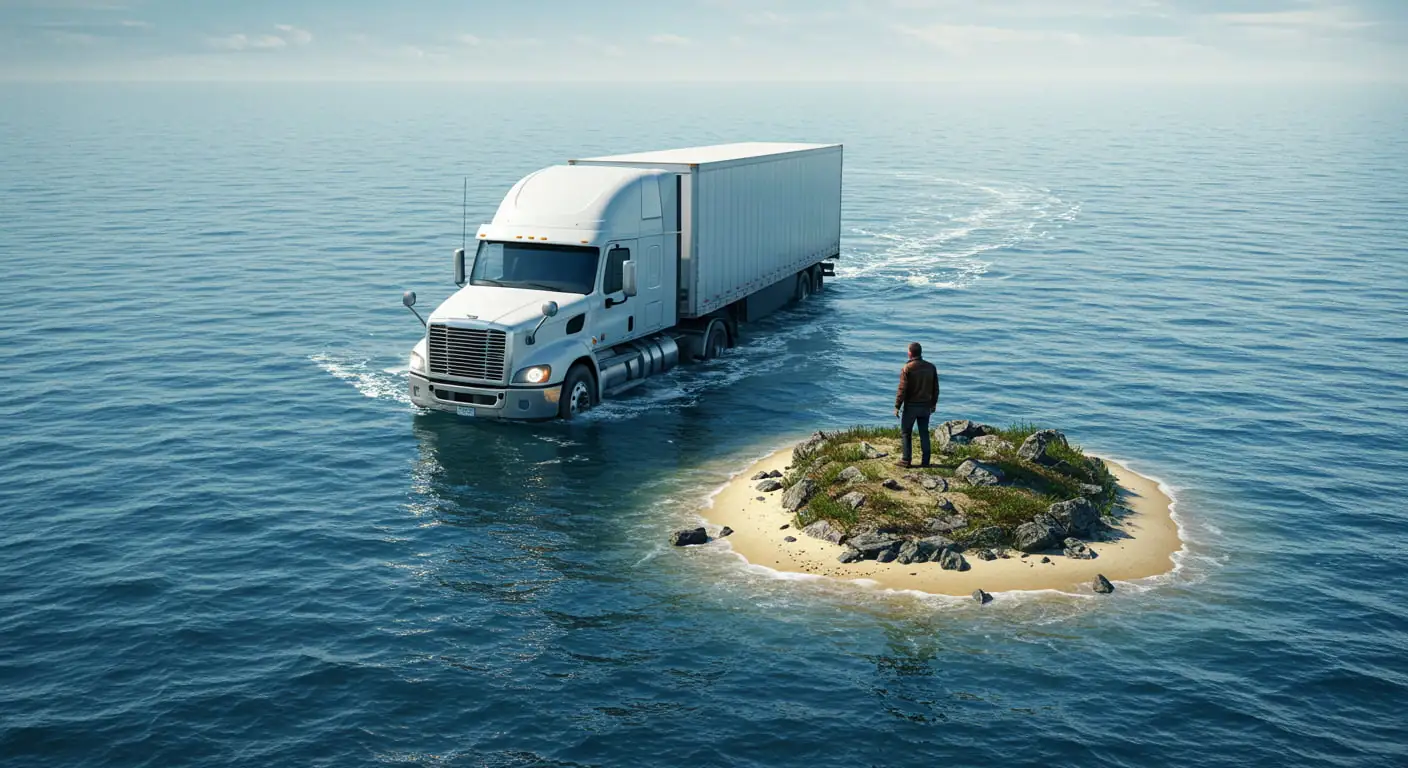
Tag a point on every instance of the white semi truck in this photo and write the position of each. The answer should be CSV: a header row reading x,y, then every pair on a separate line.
x,y
600,273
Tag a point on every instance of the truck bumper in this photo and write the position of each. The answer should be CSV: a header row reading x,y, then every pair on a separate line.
x,y
506,403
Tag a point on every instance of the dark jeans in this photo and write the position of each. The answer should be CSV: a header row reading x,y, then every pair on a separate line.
x,y
911,415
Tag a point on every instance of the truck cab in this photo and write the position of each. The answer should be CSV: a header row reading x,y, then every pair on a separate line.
x,y
578,262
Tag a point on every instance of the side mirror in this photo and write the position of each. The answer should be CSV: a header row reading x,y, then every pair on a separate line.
x,y
628,278
409,298
549,308
459,266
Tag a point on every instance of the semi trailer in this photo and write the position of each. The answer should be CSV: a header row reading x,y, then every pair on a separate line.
x,y
600,273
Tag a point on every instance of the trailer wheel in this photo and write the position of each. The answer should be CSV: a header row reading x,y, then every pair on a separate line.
x,y
804,287
716,342
577,393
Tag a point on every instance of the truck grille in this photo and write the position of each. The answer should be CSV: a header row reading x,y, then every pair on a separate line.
x,y
467,353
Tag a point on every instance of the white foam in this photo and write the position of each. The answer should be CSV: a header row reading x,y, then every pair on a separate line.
x,y
385,384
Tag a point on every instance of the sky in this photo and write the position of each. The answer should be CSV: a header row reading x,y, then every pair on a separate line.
x,y
707,40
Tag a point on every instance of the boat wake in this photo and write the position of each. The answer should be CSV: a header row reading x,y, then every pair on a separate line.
x,y
377,383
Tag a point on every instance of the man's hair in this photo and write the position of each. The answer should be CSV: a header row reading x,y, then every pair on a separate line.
x,y
915,350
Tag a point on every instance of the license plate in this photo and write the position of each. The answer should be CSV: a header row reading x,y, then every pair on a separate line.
x,y
464,410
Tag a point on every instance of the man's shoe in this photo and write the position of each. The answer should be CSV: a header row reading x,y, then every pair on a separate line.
x,y
924,465
902,463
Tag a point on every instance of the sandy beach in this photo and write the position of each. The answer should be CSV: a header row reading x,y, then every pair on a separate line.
x,y
761,526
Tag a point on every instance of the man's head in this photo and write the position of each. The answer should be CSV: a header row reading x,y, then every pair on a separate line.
x,y
915,351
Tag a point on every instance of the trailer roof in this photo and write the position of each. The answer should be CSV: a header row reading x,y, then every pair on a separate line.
x,y
717,153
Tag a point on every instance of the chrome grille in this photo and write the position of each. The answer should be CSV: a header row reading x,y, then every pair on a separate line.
x,y
467,352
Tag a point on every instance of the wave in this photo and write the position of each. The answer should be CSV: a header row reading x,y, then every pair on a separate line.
x,y
379,384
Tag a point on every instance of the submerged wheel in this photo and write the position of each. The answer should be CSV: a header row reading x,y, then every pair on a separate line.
x,y
716,342
578,393
804,287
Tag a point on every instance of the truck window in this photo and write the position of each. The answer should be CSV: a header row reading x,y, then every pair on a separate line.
x,y
614,280
650,197
537,266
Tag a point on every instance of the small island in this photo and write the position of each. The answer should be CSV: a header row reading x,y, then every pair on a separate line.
x,y
1020,508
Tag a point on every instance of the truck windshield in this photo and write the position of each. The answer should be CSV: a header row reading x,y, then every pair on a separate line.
x,y
565,268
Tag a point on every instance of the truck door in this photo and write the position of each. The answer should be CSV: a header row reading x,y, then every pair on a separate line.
x,y
618,321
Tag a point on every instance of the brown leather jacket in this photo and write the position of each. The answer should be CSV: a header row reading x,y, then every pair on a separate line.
x,y
919,384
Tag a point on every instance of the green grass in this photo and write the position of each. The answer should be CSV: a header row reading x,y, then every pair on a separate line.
x,y
1006,508
823,507
1018,432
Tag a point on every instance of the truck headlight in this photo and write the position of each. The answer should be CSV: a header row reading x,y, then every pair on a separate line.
x,y
417,363
535,375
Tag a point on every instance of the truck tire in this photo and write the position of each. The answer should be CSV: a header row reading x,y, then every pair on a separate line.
x,y
804,287
578,394
715,342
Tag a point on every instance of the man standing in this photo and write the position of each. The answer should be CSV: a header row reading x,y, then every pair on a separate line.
x,y
916,400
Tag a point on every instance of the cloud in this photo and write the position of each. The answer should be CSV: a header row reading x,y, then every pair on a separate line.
x,y
668,39
134,24
967,38
294,35
288,35
470,40
1330,18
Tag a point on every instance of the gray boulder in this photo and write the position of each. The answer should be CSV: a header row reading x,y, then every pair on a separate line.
x,y
981,597
824,530
950,560
908,551
956,429
945,505
799,494
725,531
1077,550
1091,489
854,499
808,448
872,543
935,484
850,475
775,473
687,536
991,536
850,555
985,555
1077,517
886,556
946,524
1034,537
930,547
760,476
789,539
871,452
769,485
1102,585
975,472
1035,446
991,445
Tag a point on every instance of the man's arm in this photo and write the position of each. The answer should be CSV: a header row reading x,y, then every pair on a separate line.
x,y
899,394
934,406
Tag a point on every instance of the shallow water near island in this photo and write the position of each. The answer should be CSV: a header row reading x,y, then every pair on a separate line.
x,y
229,539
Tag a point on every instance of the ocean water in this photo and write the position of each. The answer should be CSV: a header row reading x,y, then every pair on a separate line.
x,y
228,539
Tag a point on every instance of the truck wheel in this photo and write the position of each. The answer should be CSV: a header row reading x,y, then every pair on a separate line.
x,y
577,395
804,287
716,343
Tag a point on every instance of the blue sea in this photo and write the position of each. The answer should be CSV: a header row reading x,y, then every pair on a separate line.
x,y
229,539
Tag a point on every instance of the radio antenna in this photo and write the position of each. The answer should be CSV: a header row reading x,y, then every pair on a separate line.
x,y
464,215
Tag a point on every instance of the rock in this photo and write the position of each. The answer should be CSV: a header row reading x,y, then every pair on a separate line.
x,y
930,547
871,452
761,476
799,494
789,539
961,431
1034,537
1045,559
935,484
784,526
1077,550
824,530
908,551
945,505
992,445
808,448
885,556
770,485
725,531
1035,446
775,473
1077,516
975,472
687,536
892,484
990,536
850,555
1102,584
1092,490
872,543
981,597
949,560
986,555
854,499
850,475
946,524
761,498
